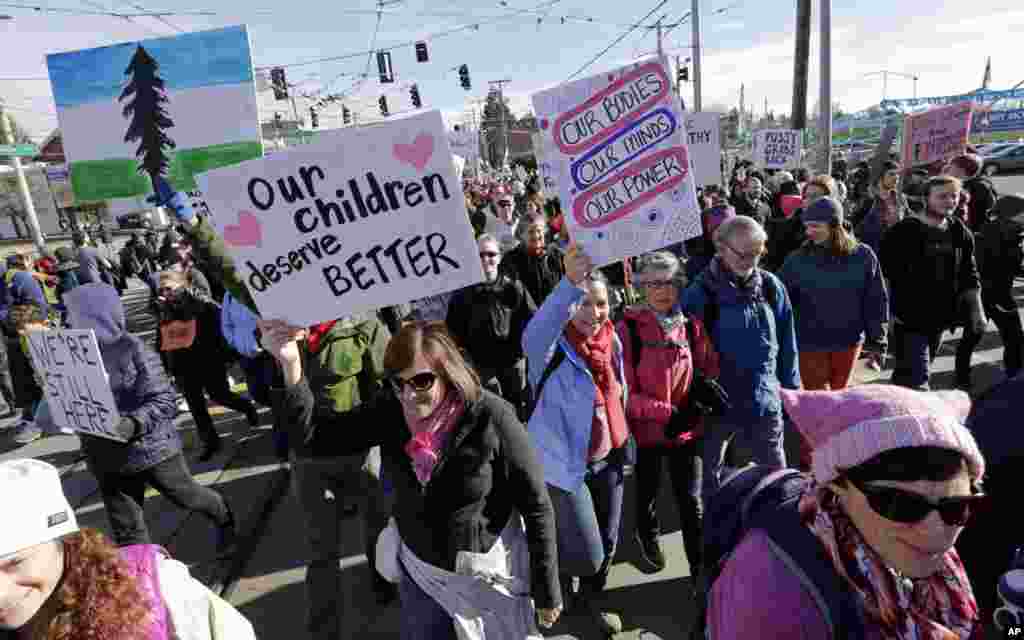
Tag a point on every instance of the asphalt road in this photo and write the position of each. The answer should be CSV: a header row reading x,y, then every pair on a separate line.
x,y
1009,183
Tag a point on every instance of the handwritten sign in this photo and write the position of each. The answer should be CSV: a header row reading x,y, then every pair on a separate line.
x,y
75,382
703,141
777,148
937,134
359,219
615,146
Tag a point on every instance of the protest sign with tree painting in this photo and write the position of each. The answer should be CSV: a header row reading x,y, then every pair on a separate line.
x,y
149,117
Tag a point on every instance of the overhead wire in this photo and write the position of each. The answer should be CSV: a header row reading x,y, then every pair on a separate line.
x,y
128,18
158,17
616,41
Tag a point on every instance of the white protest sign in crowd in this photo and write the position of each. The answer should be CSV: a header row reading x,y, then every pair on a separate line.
x,y
358,220
615,145
777,148
703,141
936,134
75,385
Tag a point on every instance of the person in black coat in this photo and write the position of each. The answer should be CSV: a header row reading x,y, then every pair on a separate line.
x,y
460,463
488,321
533,262
196,354
152,455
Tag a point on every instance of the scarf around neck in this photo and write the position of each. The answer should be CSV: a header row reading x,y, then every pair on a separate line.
x,y
728,286
430,434
940,607
608,429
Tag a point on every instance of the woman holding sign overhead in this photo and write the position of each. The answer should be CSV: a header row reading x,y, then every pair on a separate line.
x,y
578,425
472,539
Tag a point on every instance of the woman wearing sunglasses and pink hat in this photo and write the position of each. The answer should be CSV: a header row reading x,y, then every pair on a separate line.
x,y
472,540
895,481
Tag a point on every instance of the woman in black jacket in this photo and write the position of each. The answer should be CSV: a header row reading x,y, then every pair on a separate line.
x,y
463,472
196,354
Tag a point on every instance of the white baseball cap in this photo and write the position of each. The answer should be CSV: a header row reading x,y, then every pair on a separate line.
x,y
35,508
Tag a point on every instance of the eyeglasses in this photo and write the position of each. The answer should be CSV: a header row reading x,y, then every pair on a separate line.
x,y
745,257
504,203
420,383
658,284
489,254
909,507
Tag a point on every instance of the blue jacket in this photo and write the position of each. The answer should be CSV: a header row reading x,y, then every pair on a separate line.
x,y
837,300
24,289
561,423
238,324
756,342
5,302
137,379
88,265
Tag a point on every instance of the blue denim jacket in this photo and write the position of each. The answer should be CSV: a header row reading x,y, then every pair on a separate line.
x,y
560,426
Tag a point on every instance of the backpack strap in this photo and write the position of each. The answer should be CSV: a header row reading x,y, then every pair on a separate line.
x,y
803,554
556,359
636,345
770,479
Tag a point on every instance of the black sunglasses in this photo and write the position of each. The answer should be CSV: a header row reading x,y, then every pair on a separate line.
x,y
909,507
420,382
489,254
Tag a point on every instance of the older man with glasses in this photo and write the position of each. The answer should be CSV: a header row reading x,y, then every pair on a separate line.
x,y
488,320
504,224
749,317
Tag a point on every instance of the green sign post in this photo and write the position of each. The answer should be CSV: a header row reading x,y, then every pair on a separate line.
x,y
19,150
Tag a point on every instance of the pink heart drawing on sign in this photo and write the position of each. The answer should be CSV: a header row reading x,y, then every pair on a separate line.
x,y
247,233
418,153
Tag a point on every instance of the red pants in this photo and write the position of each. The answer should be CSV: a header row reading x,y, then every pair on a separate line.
x,y
821,370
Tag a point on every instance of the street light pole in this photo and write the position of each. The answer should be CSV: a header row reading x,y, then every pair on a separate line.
x,y
825,96
695,19
26,196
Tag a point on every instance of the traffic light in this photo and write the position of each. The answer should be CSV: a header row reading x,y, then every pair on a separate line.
x,y
464,77
387,73
314,119
414,93
383,103
684,74
280,84
346,115
421,52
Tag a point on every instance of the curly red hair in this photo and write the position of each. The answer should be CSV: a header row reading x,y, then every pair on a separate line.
x,y
98,597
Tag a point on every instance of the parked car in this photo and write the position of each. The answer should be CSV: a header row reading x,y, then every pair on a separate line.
x,y
1009,159
135,220
995,148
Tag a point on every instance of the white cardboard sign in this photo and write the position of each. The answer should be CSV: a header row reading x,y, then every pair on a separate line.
x,y
75,381
364,218
615,144
703,141
777,148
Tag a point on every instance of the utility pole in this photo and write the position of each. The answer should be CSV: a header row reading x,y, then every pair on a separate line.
x,y
26,196
801,62
695,19
825,96
661,51
501,103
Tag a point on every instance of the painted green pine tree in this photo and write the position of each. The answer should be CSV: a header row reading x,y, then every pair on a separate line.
x,y
149,118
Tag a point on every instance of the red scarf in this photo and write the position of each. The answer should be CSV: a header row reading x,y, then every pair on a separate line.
x,y
608,429
430,434
316,333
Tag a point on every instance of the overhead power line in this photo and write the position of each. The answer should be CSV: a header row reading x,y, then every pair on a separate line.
x,y
616,41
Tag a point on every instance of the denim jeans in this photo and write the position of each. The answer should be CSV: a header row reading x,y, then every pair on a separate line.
x,y
352,479
685,470
589,520
761,438
124,494
914,351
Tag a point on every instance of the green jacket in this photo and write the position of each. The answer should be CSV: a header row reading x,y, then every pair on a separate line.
x,y
347,367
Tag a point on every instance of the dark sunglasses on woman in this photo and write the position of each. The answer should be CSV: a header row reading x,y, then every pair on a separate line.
x,y
420,382
909,507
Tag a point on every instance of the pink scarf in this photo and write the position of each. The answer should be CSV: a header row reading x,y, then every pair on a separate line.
x,y
941,607
430,434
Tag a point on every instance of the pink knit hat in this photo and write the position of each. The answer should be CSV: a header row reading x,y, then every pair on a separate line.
x,y
849,427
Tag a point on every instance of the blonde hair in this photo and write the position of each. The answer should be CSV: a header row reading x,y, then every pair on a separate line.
x,y
173,277
841,242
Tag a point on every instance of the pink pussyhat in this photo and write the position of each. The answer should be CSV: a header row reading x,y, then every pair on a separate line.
x,y
849,427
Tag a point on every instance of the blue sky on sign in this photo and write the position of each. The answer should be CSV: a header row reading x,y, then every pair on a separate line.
x,y
198,59
537,44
